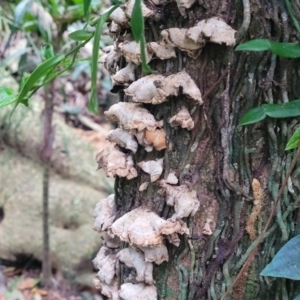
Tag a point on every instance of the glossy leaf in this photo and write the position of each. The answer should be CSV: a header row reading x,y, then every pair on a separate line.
x,y
284,110
81,35
7,96
86,6
95,56
47,51
288,50
137,21
286,263
254,115
254,45
36,75
294,140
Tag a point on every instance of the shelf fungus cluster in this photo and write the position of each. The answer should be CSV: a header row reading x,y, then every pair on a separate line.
x,y
140,238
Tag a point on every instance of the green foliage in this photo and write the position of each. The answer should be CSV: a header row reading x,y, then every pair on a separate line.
x,y
7,96
86,6
289,50
294,140
286,263
81,35
284,110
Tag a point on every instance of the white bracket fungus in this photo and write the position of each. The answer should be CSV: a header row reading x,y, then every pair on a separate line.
x,y
105,213
182,119
132,52
110,58
142,227
115,162
177,37
172,179
123,138
184,4
156,138
119,17
152,167
132,117
213,29
185,202
130,291
157,254
146,12
162,50
110,291
144,186
155,89
111,240
105,262
124,76
207,227
134,259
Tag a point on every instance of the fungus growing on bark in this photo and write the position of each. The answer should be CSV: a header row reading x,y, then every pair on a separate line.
x,y
144,186
155,89
130,291
132,52
105,262
144,228
185,202
111,240
152,167
118,16
115,162
184,4
123,138
162,50
134,259
178,38
124,76
146,12
110,291
172,179
105,213
207,227
156,138
182,119
213,30
110,58
157,254
132,117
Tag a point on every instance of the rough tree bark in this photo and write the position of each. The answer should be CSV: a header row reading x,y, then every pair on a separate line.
x,y
218,160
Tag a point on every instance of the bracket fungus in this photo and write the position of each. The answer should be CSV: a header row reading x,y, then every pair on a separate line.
x,y
142,227
182,119
207,227
110,58
118,16
172,179
115,162
177,37
111,291
157,254
105,213
134,259
111,240
124,76
152,167
105,262
123,138
213,30
155,89
146,12
162,50
130,291
132,52
185,202
132,117
183,5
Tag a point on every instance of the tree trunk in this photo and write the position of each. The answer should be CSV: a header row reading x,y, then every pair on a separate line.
x,y
219,160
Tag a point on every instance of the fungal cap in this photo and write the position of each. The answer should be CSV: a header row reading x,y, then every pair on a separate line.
x,y
162,50
110,291
130,291
132,52
153,167
124,76
157,254
183,119
123,138
156,138
105,213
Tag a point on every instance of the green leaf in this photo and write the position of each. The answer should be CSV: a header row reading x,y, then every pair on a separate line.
x,y
286,263
81,35
254,45
253,116
47,51
137,21
143,46
7,96
95,57
20,11
294,140
284,110
86,6
288,50
36,75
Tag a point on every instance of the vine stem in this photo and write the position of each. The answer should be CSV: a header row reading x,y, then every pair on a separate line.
x,y
252,253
